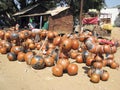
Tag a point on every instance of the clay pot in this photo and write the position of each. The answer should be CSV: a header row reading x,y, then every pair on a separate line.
x,y
104,62
31,46
55,33
83,37
94,71
89,61
37,62
90,72
20,56
67,44
49,61
114,65
11,56
104,76
2,33
7,35
102,49
93,48
2,43
79,59
97,65
63,55
14,36
73,54
27,34
17,49
28,56
51,46
3,50
98,58
75,44
113,49
49,51
43,34
80,49
8,46
21,35
95,78
29,41
38,46
109,61
57,41
57,70
64,63
72,69
110,56
50,35
107,49
98,48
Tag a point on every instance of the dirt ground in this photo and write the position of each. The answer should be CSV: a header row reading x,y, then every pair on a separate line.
x,y
19,76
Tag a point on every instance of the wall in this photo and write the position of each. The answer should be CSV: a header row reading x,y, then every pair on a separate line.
x,y
62,23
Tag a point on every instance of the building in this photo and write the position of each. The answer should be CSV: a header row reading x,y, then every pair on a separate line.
x,y
60,18
109,15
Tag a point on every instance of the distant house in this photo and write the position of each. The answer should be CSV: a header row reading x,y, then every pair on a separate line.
x,y
109,15
60,18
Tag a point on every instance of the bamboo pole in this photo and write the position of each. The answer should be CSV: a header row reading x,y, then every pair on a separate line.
x,y
81,10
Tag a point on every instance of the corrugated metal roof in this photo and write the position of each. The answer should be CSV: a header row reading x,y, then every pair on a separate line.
x,y
52,12
25,10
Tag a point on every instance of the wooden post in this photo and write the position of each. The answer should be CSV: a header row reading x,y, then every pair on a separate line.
x,y
81,9
40,22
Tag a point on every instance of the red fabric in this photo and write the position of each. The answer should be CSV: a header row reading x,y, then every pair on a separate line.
x,y
92,20
106,42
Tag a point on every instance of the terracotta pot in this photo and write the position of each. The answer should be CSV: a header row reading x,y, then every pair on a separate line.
x,y
28,56
73,54
20,57
113,49
107,49
95,78
3,50
57,41
97,65
2,33
50,35
114,65
104,62
79,59
75,44
64,63
104,76
72,69
57,70
49,61
11,56
14,36
67,44
37,62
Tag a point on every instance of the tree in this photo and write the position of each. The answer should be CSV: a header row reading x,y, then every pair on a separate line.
x,y
8,7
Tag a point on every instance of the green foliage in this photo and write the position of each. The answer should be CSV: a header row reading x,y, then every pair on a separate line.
x,y
8,6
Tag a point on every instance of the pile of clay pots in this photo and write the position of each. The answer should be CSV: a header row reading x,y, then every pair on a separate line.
x,y
61,52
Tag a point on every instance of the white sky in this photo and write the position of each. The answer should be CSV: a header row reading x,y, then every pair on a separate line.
x,y
112,3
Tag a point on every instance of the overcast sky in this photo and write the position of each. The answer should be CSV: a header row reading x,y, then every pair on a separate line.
x,y
112,3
